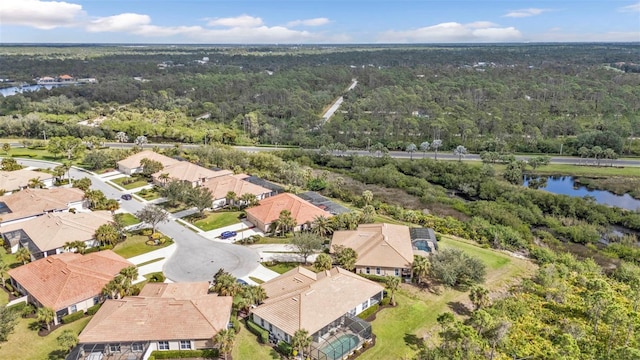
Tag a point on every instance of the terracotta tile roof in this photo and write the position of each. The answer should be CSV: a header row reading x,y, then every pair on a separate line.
x,y
154,318
383,245
59,281
53,230
314,300
187,171
220,186
133,161
301,210
32,202
65,77
177,291
13,180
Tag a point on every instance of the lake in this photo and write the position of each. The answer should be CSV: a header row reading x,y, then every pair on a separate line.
x,y
566,186
20,89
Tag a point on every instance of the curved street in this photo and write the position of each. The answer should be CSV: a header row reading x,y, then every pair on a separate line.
x,y
196,258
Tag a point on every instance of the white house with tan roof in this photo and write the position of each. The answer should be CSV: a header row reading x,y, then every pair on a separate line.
x,y
19,179
132,164
325,304
46,235
177,316
221,186
188,172
383,249
29,203
269,210
67,282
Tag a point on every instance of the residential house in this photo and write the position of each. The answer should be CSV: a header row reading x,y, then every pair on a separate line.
x,y
423,241
269,210
193,174
66,79
29,203
222,185
47,235
383,249
132,164
177,316
67,282
19,179
325,304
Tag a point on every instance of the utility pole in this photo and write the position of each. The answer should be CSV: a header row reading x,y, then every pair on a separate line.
x,y
44,133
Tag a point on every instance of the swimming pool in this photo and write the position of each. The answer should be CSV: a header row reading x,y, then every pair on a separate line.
x,y
340,347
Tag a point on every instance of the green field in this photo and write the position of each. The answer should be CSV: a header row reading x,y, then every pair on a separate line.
x,y
216,220
246,346
135,245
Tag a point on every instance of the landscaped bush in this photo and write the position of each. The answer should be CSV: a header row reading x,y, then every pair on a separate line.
x,y
157,277
263,335
9,287
376,278
17,308
236,324
185,354
72,317
385,301
369,311
94,309
284,348
106,247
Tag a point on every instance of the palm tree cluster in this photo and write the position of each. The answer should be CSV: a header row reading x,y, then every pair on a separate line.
x,y
284,224
122,284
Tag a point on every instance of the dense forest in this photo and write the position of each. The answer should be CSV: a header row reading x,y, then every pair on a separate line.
x,y
504,98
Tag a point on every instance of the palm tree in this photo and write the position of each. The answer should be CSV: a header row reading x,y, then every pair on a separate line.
x,y
224,339
460,151
130,274
420,267
112,205
231,198
45,315
23,255
596,151
411,148
77,246
479,297
583,152
610,154
436,144
122,137
321,225
424,147
301,341
248,199
367,197
368,212
164,177
286,222
255,294
392,283
107,234
112,290
4,268
35,183
323,262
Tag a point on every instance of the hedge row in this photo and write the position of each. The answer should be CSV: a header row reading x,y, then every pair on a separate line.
x,y
185,354
72,317
17,307
94,309
376,278
284,348
261,333
369,311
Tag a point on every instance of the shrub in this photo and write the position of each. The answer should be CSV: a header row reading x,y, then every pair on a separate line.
x,y
17,308
263,335
9,287
284,348
106,247
236,324
72,317
28,310
369,311
94,309
385,301
185,354
146,232
376,278
155,236
157,277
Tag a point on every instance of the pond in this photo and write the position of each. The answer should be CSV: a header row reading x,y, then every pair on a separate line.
x,y
565,185
9,91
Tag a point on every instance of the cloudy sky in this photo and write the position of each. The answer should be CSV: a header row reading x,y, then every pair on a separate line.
x,y
314,21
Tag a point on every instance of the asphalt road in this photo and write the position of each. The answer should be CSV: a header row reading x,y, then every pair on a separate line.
x,y
196,258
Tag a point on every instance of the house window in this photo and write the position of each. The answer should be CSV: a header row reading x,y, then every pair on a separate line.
x,y
185,345
262,323
270,328
397,272
96,300
137,347
365,304
114,348
163,345
377,271
352,312
367,270
73,308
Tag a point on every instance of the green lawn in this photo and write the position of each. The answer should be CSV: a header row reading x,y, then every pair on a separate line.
x,y
283,267
149,262
254,279
136,184
247,347
274,240
27,344
148,194
216,220
173,209
135,245
128,219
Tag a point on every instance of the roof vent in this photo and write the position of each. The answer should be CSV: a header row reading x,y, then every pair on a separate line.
x,y
294,299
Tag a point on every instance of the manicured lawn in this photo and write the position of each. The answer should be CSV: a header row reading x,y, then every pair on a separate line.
x,y
128,219
149,262
274,240
136,184
135,245
27,344
247,347
399,329
173,209
254,279
148,194
9,259
216,220
283,267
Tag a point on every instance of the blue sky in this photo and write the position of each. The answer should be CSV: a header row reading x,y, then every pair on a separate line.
x,y
312,21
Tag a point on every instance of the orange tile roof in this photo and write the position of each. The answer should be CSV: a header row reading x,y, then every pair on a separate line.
x,y
301,299
59,281
53,230
301,210
133,161
383,245
32,202
163,317
220,186
13,180
187,171
66,77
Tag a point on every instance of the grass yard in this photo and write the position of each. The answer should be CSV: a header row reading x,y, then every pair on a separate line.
x,y
254,279
136,184
400,330
247,347
283,267
148,194
128,219
216,220
273,240
173,209
27,344
135,245
9,259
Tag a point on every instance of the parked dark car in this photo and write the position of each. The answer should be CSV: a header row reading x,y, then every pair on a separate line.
x,y
126,197
228,234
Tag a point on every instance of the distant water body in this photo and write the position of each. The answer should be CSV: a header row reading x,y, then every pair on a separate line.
x,y
10,91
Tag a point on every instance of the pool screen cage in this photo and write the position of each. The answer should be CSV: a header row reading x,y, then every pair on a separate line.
x,y
341,342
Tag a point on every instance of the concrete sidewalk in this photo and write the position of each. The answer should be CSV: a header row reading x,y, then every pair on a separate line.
x,y
243,228
261,273
280,252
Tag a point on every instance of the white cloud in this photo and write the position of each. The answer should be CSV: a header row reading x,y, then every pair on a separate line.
x,y
630,8
525,12
127,22
44,15
309,22
481,31
243,21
